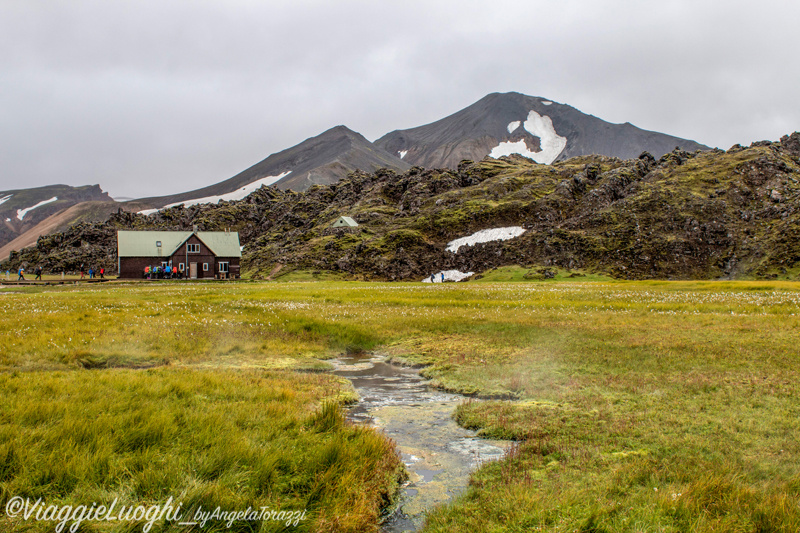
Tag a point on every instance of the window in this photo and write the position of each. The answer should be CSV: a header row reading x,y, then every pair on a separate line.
x,y
180,267
205,267
193,248
223,266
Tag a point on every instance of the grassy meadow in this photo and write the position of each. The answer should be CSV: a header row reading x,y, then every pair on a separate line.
x,y
637,406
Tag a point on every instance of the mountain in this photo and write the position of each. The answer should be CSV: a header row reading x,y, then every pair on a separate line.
x,y
685,215
320,160
496,125
541,129
21,210
60,221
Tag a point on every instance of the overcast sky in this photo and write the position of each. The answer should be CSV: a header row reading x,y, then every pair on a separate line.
x,y
155,97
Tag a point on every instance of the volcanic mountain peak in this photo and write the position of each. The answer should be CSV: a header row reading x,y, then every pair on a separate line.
x,y
498,124
319,160
535,127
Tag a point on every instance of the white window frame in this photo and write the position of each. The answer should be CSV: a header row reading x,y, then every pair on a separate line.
x,y
205,267
180,267
226,266
193,248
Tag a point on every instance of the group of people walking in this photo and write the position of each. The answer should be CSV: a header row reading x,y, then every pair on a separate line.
x,y
92,272
21,273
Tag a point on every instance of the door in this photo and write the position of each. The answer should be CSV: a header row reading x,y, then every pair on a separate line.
x,y
193,270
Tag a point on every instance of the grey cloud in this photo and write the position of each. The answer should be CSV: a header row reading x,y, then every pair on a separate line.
x,y
157,97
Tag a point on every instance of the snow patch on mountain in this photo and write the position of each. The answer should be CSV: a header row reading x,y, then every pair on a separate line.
x,y
402,153
551,143
547,102
22,212
513,125
449,275
4,199
238,194
486,235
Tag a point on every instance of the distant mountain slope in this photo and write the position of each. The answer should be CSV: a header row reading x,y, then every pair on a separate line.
x,y
23,209
320,160
60,221
546,131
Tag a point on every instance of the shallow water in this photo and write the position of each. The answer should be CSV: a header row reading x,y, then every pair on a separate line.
x,y
439,455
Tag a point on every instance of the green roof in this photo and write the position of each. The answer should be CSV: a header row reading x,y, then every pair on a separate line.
x,y
145,243
344,222
222,243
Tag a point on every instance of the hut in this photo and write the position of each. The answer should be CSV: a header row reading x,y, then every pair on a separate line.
x,y
195,254
345,222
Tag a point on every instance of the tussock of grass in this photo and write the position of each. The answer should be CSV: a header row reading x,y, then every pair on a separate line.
x,y
234,438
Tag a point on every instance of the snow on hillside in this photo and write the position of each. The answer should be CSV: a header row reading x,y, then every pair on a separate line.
x,y
513,126
402,153
486,235
551,143
238,194
22,212
4,199
449,275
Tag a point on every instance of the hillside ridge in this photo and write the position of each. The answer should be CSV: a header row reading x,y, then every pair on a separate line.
x,y
700,215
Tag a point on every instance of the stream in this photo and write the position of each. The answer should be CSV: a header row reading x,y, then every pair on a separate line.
x,y
439,454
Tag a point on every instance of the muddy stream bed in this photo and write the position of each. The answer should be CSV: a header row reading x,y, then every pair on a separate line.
x,y
439,454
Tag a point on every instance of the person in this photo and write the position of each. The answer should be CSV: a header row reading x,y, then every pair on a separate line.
x,y
91,273
102,272
38,273
21,274
168,272
442,277
83,271
433,279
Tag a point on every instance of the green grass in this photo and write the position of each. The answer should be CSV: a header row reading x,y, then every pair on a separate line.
x,y
308,275
538,273
638,406
228,438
